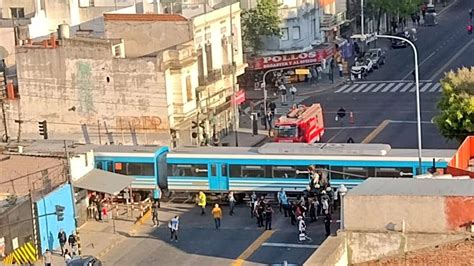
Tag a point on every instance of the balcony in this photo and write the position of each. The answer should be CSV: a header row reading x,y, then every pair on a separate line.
x,y
330,21
227,69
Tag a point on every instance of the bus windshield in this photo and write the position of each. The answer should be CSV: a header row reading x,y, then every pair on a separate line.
x,y
289,131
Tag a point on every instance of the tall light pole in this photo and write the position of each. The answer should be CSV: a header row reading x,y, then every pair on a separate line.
x,y
362,17
417,87
234,102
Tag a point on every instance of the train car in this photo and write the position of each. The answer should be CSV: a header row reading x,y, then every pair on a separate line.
x,y
283,165
145,163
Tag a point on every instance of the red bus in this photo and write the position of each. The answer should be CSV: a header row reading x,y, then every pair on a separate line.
x,y
302,124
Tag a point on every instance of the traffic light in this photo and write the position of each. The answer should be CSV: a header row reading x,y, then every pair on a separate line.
x,y
341,113
43,129
195,124
60,212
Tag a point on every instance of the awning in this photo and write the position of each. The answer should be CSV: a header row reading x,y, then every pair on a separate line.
x,y
103,181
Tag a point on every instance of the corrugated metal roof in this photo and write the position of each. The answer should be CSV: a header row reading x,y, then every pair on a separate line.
x,y
414,187
103,181
144,17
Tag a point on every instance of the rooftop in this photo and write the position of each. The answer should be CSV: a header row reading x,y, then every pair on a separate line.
x,y
144,17
414,187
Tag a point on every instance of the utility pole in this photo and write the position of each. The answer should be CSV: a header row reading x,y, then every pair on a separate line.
x,y
73,196
2,100
234,102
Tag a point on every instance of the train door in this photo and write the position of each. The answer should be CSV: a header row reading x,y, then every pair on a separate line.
x,y
218,178
105,165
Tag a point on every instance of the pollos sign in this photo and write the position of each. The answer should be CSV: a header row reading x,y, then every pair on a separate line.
x,y
287,60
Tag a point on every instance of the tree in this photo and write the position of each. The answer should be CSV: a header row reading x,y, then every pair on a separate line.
x,y
456,120
263,20
401,8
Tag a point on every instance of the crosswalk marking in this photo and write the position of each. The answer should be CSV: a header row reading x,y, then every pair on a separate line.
x,y
396,87
360,88
435,87
342,88
425,87
407,87
392,87
351,88
388,87
369,87
378,87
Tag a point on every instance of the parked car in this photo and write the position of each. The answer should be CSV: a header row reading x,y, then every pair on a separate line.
x,y
361,68
377,56
84,261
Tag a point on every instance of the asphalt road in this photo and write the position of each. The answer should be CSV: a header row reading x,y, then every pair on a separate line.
x,y
201,244
441,48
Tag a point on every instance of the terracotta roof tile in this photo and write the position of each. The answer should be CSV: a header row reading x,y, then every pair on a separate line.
x,y
144,17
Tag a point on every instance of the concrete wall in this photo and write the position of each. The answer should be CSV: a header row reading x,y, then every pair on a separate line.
x,y
377,213
48,225
81,83
7,46
146,37
22,232
333,251
81,164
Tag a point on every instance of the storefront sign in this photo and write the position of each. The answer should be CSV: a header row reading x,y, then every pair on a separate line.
x,y
288,60
240,97
301,71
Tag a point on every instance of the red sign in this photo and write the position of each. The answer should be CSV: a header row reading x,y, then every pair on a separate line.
x,y
239,97
288,60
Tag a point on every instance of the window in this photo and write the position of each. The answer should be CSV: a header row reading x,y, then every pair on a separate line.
x,y
355,172
99,165
284,34
213,170
224,170
189,89
314,29
141,169
225,51
296,33
200,67
284,171
199,170
394,172
247,171
209,57
18,12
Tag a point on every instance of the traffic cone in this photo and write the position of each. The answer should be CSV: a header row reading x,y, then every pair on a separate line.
x,y
351,117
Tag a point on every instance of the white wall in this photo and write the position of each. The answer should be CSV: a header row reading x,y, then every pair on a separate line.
x,y
81,165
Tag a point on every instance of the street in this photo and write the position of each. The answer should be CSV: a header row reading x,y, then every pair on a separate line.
x,y
238,240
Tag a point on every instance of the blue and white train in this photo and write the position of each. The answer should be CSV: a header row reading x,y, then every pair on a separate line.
x,y
263,169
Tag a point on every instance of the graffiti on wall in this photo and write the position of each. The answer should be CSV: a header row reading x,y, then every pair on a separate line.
x,y
85,88
139,122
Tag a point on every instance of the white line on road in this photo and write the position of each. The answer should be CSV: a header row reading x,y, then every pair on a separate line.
x,y
419,65
407,87
288,245
351,88
397,87
369,87
435,87
414,87
388,87
360,87
427,85
342,88
441,69
379,87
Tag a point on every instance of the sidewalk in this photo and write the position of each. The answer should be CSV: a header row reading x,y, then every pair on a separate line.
x,y
245,137
98,238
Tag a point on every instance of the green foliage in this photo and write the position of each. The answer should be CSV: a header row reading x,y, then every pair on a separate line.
x,y
456,120
260,21
399,7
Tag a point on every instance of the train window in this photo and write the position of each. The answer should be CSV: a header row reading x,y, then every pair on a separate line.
x,y
213,170
99,165
284,171
224,170
355,172
336,172
143,169
235,171
394,172
187,170
120,168
247,171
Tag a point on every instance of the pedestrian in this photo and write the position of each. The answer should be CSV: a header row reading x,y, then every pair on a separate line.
x,y
312,210
413,19
154,212
325,202
340,67
327,224
293,91
98,204
47,258
202,202
260,212
272,106
231,203
157,195
330,194
283,93
281,195
269,117
301,228
253,200
217,213
418,19
469,29
470,13
293,209
173,225
67,256
268,217
62,240
73,242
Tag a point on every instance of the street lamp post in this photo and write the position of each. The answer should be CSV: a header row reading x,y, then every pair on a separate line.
x,y
342,191
417,87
